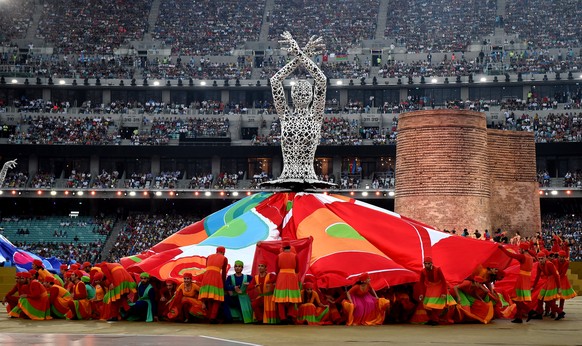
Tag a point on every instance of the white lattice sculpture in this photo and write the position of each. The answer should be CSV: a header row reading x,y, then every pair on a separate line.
x,y
7,165
300,126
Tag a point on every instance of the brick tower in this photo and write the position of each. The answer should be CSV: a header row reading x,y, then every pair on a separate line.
x,y
454,173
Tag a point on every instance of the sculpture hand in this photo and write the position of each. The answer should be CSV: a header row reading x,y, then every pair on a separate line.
x,y
293,48
10,164
314,47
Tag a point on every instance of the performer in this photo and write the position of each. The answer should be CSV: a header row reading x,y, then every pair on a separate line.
x,y
59,298
185,304
62,270
362,306
145,307
42,273
100,291
523,284
237,301
287,291
164,297
86,267
263,285
311,311
79,306
212,287
433,291
120,285
301,127
12,296
550,289
471,304
34,304
567,292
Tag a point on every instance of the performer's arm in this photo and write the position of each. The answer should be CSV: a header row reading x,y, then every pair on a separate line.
x,y
10,293
519,257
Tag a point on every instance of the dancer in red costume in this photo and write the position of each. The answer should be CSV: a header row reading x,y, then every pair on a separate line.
x,y
34,302
12,296
550,289
567,292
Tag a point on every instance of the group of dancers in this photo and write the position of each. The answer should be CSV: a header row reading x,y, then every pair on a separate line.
x,y
107,291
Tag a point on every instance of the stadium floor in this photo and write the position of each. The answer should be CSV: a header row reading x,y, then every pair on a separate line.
x,y
15,332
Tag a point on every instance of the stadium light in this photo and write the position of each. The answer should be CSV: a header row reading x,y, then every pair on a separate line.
x,y
66,193
554,193
14,81
62,82
365,193
119,193
158,193
39,192
156,83
391,193
80,193
93,193
434,81
207,194
339,82
132,193
53,193
203,83
1,192
483,79
235,193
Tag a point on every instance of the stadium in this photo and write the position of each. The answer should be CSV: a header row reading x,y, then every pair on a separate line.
x,y
130,121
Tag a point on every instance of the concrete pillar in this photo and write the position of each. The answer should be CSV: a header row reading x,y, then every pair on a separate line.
x,y
156,165
106,96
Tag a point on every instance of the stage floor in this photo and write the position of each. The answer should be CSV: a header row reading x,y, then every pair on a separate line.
x,y
16,332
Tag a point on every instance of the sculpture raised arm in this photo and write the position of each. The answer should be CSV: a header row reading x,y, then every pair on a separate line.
x,y
7,165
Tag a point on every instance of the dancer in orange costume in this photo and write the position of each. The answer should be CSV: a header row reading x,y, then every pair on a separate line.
x,y
59,298
287,291
185,304
79,306
522,297
212,286
311,311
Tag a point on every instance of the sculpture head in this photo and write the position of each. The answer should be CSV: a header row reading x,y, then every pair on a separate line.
x,y
301,93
